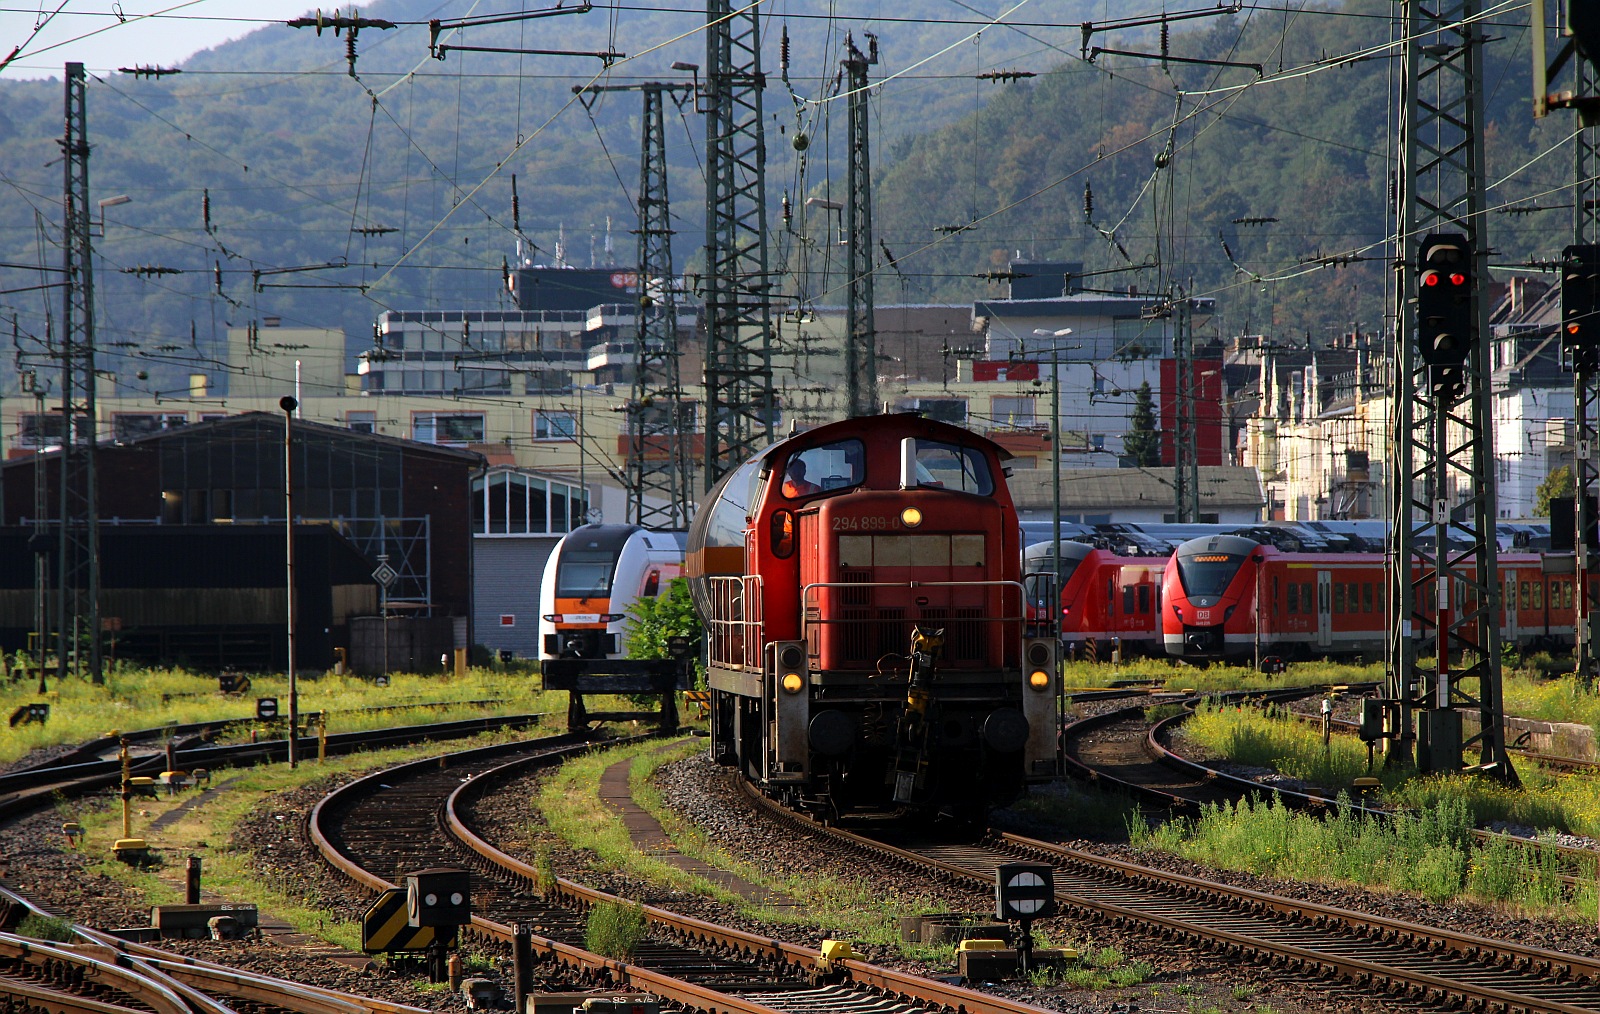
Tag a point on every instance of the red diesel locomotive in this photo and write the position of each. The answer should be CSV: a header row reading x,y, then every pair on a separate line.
x,y
861,589
1228,597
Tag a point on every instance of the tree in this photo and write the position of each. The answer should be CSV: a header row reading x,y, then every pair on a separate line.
x,y
654,620
1142,445
1557,484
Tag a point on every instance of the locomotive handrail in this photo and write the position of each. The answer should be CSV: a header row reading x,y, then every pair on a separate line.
x,y
806,589
730,640
1022,593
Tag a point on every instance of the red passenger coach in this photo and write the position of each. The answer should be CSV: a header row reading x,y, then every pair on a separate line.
x,y
1229,598
1107,600
861,587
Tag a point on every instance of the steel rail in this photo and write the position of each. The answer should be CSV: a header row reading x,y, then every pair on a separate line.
x,y
914,988
157,996
1365,973
1318,803
179,973
694,996
23,791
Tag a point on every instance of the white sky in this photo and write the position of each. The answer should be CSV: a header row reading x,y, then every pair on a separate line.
x,y
88,31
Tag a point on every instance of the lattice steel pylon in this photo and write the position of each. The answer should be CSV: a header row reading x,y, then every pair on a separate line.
x,y
659,463
1442,477
739,405
78,563
861,338
1185,436
1585,377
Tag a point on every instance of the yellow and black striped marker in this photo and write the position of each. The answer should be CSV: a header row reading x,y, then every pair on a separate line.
x,y
384,927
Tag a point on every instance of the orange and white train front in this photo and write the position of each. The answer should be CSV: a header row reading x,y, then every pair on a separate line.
x,y
591,582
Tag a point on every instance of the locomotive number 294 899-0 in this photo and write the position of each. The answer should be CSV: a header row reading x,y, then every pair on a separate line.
x,y
871,523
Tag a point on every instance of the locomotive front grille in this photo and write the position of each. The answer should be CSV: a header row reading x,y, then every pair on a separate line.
x,y
855,596
963,632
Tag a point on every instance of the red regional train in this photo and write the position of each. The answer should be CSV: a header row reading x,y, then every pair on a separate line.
x,y
867,634
1228,597
1106,599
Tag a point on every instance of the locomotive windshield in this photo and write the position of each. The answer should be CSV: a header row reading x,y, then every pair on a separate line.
x,y
824,469
949,466
1206,575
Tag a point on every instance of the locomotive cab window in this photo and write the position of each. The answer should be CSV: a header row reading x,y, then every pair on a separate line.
x,y
824,469
948,466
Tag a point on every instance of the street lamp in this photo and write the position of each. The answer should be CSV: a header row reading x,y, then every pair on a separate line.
x,y
1055,464
289,404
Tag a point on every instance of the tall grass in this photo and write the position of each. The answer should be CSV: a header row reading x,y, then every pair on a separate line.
x,y
1271,739
1429,852
149,698
1176,675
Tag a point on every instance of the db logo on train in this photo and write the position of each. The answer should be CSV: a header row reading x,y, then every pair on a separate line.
x,y
1202,616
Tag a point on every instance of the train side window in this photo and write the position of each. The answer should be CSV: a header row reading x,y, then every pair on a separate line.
x,y
1294,597
1527,595
1111,602
1308,602
1275,598
1127,600
1352,595
1144,599
782,534
1366,597
1538,594
1338,597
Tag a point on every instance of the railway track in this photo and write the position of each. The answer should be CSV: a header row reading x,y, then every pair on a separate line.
x,y
1143,764
689,962
102,974
1382,956
97,973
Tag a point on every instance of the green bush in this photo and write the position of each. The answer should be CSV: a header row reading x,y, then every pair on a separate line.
x,y
45,927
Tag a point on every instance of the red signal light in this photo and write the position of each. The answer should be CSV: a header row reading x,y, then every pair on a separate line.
x,y
1430,278
1458,279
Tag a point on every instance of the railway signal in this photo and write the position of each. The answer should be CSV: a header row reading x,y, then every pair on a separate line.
x,y
439,897
1580,300
1024,892
1444,300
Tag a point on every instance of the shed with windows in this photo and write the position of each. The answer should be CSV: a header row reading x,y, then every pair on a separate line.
x,y
518,517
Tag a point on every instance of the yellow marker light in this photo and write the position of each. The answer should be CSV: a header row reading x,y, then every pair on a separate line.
x,y
792,682
911,517
1039,679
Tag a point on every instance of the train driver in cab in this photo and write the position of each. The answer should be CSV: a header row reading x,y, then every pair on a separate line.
x,y
795,484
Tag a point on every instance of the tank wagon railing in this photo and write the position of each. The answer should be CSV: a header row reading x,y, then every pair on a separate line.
x,y
871,628
734,635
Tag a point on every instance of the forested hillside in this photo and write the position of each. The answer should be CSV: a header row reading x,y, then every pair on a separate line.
x,y
304,164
